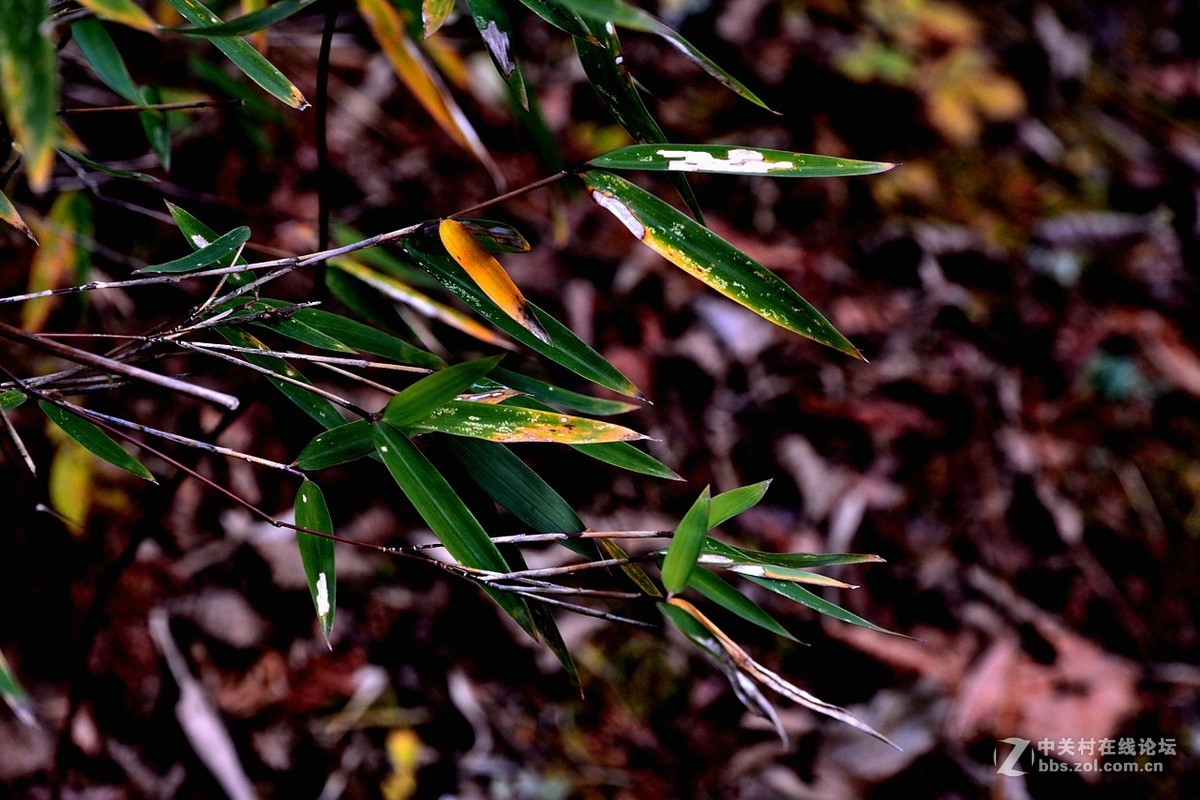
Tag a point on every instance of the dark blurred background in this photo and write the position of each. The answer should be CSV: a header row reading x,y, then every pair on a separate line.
x,y
1021,446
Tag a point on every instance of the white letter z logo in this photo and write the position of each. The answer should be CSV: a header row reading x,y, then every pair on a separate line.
x,y
1009,767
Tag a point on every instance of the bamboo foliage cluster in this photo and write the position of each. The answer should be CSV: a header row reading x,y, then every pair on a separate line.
x,y
472,410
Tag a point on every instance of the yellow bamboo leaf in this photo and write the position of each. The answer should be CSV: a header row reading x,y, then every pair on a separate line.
x,y
60,261
9,214
71,482
126,12
414,69
29,86
404,751
489,276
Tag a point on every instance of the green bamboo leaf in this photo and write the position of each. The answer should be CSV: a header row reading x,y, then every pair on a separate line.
x,y
324,412
565,349
709,258
740,555
125,12
560,16
244,57
29,86
446,515
729,598
562,398
101,52
434,391
495,237
604,64
12,398
680,560
223,246
316,553
729,504
288,323
9,214
433,15
106,169
804,597
627,16
365,338
735,160
95,440
510,482
335,446
505,423
491,20
156,127
627,457
384,261
249,23
14,693
199,236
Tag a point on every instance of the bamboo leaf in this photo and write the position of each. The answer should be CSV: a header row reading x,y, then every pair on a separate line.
x,y
635,573
29,86
320,409
559,15
199,235
735,160
14,694
510,482
434,391
604,64
95,440
399,291
249,23
789,574
433,15
106,169
489,276
61,260
365,338
335,446
125,12
684,549
729,504
709,258
740,555
244,57
101,52
729,598
567,350
495,237
223,246
627,16
627,457
9,214
12,398
316,553
446,515
504,423
804,597
288,324
492,22
563,398
414,69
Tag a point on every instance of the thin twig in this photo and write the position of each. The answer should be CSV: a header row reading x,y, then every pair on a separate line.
x,y
350,362
104,364
16,440
185,106
184,440
548,572
531,538
585,610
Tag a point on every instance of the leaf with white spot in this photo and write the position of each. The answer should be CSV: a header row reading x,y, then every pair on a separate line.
x,y
316,552
734,160
712,260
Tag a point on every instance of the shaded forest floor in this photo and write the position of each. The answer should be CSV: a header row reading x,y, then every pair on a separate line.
x,y
1021,447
